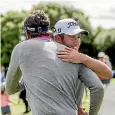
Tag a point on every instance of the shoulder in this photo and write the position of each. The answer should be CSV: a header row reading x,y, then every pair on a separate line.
x,y
84,68
19,45
15,48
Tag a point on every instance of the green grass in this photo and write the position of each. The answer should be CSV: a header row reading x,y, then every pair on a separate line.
x,y
18,109
113,81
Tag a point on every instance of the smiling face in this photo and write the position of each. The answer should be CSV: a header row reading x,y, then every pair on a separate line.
x,y
71,40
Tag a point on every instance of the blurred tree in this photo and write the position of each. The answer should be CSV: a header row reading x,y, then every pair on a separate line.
x,y
99,40
56,12
12,23
104,39
11,28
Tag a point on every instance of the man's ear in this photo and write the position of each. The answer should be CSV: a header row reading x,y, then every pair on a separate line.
x,y
58,39
28,36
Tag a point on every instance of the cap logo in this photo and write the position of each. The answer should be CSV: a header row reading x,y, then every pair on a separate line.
x,y
59,30
72,24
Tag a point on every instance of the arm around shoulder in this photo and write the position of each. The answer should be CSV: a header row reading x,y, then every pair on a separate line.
x,y
100,68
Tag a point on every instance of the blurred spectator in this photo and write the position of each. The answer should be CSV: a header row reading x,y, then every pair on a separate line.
x,y
5,108
100,55
107,61
105,58
22,95
2,74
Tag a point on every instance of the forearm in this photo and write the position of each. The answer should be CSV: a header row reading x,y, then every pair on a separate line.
x,y
12,85
100,68
96,97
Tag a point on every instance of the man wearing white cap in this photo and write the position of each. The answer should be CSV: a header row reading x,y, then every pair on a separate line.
x,y
68,33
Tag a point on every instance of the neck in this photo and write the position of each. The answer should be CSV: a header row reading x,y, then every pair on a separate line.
x,y
47,37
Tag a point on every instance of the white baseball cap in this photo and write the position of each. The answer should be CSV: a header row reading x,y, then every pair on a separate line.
x,y
68,26
101,54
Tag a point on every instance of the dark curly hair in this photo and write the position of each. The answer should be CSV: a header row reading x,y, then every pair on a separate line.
x,y
37,23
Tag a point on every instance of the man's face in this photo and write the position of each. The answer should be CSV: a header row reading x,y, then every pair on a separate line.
x,y
103,59
72,40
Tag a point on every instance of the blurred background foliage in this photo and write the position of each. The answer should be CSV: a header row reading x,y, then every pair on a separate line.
x,y
99,39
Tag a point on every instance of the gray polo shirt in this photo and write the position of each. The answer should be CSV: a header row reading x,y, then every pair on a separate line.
x,y
53,87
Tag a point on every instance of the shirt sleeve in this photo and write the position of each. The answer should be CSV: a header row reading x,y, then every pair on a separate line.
x,y
13,74
90,80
